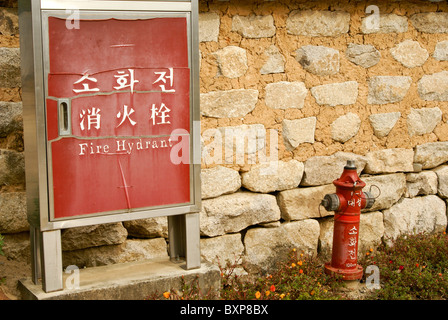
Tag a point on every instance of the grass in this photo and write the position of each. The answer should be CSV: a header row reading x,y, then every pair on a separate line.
x,y
412,267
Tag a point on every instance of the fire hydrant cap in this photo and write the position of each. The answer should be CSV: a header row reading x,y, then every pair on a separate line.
x,y
350,164
331,202
370,200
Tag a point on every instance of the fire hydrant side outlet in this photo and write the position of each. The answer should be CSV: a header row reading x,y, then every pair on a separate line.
x,y
331,202
370,200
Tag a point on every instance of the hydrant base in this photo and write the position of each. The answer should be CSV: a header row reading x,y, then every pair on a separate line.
x,y
347,274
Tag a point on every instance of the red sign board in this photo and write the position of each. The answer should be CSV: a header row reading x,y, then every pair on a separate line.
x,y
125,88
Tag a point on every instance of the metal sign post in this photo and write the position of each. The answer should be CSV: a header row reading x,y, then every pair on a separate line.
x,y
111,106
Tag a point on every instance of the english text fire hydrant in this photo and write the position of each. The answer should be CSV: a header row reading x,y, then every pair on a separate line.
x,y
347,203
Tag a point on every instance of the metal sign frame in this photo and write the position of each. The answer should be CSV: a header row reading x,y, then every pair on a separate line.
x,y
45,230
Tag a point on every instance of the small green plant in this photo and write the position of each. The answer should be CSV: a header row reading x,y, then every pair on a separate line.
x,y
413,267
189,290
300,277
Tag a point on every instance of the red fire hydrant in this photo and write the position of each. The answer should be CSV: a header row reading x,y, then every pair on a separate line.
x,y
347,203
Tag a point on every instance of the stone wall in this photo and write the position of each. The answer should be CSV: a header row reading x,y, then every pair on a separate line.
x,y
309,84
322,81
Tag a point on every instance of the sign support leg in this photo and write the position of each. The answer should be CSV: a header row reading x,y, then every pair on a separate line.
x,y
192,239
176,236
36,272
183,233
51,260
